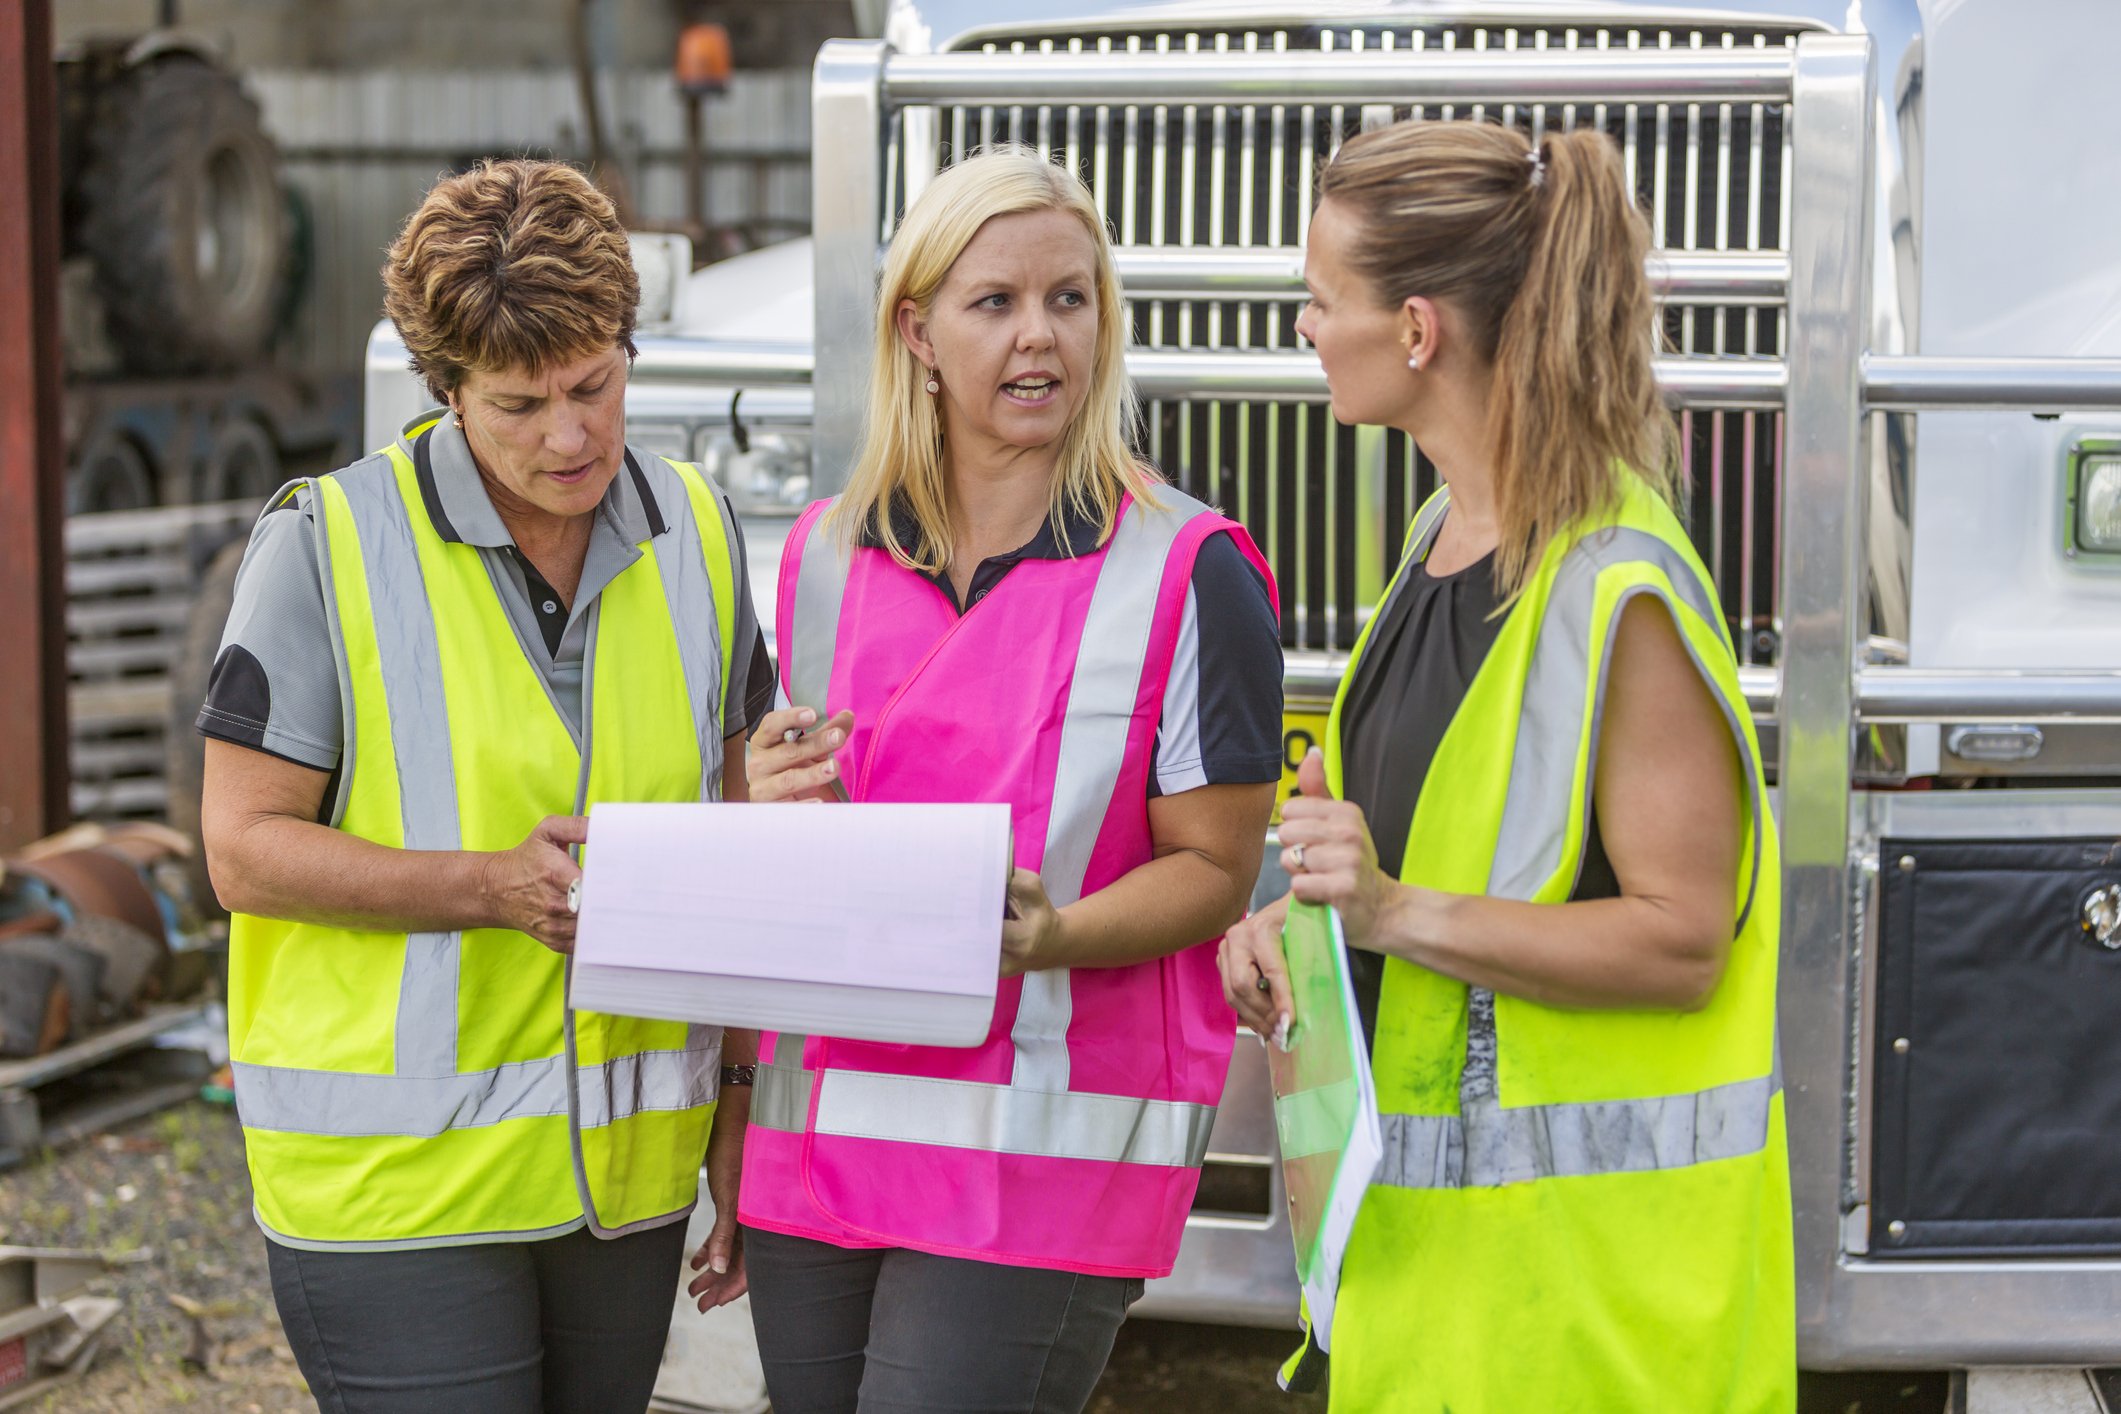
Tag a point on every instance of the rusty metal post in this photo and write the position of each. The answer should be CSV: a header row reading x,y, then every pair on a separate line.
x,y
33,737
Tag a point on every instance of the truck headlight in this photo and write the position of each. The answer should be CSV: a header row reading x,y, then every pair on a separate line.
x,y
661,439
770,473
2098,502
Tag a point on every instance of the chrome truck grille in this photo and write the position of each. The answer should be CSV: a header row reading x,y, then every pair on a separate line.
x,y
1329,504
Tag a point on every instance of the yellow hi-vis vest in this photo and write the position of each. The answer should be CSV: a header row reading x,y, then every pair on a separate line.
x,y
1605,1224
423,1090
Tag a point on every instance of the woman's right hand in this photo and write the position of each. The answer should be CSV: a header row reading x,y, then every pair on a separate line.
x,y
803,769
526,887
1250,952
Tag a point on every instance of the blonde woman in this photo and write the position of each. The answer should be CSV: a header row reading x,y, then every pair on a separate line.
x,y
1007,606
1542,818
473,1198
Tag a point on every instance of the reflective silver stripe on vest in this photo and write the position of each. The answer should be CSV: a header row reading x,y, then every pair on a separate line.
x,y
1535,817
411,665
820,584
339,1103
1427,521
1109,662
681,561
994,1119
780,1096
1536,812
1488,1145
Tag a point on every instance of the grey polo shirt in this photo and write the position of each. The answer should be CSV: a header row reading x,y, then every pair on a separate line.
x,y
275,684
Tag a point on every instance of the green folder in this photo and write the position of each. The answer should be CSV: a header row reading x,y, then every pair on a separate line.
x,y
1325,1107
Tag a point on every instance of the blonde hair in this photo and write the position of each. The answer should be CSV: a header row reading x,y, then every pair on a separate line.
x,y
902,442
511,265
1542,250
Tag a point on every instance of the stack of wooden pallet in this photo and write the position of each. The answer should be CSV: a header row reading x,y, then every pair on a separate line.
x,y
132,580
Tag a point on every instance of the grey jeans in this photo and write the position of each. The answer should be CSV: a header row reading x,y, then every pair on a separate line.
x,y
889,1331
567,1325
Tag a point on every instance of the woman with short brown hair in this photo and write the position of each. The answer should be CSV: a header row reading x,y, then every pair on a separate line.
x,y
439,658
1542,820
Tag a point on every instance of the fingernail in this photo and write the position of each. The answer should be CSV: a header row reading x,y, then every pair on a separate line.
x,y
834,737
1281,1032
721,1268
832,767
806,716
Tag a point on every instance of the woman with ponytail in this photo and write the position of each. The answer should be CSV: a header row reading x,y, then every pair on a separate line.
x,y
1542,819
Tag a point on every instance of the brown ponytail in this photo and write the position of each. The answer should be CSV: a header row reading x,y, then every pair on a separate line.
x,y
1542,252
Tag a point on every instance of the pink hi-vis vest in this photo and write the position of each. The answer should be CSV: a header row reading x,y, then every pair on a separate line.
x,y
1072,1137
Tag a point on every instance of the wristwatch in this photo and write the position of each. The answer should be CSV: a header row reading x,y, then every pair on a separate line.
x,y
739,1074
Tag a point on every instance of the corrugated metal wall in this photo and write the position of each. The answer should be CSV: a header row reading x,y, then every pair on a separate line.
x,y
362,147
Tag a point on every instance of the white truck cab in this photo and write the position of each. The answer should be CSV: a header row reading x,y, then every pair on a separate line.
x,y
1892,296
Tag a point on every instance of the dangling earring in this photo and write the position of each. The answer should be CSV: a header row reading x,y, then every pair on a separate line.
x,y
933,386
456,419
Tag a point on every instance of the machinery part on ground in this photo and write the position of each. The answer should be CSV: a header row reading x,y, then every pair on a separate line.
x,y
54,1326
242,464
134,963
80,970
102,882
34,1006
185,761
183,216
111,474
145,842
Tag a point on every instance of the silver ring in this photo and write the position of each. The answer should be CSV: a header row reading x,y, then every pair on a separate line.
x,y
574,896
1296,854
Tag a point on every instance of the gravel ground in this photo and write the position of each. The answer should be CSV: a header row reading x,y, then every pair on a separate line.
x,y
199,1331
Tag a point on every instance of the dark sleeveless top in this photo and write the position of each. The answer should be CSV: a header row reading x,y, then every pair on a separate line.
x,y
1430,641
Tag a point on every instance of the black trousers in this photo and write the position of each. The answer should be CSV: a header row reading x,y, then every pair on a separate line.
x,y
566,1325
888,1331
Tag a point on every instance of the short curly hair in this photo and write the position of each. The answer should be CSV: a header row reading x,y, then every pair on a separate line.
x,y
513,264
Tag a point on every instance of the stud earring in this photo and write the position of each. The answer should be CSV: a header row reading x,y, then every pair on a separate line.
x,y
1414,362
933,386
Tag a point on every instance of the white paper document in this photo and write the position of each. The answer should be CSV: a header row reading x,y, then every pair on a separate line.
x,y
872,922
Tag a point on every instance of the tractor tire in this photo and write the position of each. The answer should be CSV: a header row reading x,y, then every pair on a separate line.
x,y
111,474
184,219
184,761
243,462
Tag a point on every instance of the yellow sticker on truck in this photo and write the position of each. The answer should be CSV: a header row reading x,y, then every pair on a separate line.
x,y
1300,731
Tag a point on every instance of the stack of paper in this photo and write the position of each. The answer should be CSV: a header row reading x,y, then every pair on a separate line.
x,y
872,922
1325,1107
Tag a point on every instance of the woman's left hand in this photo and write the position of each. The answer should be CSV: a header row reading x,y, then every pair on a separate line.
x,y
720,1260
1030,933
1329,856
